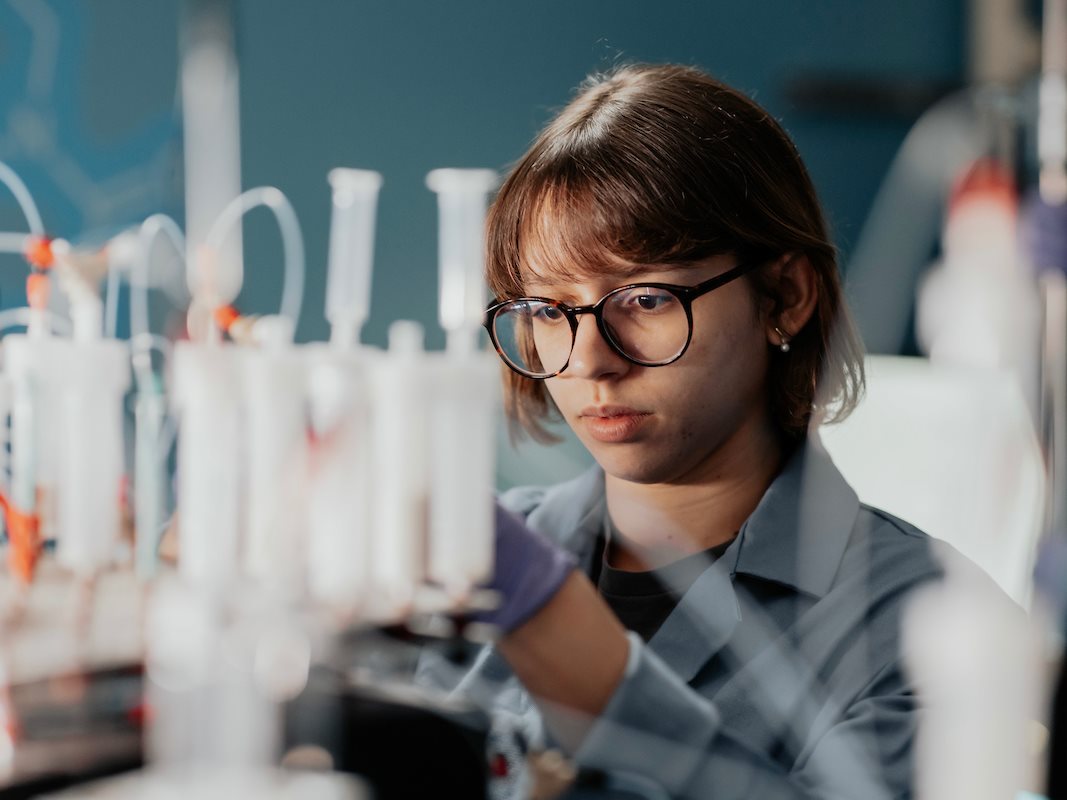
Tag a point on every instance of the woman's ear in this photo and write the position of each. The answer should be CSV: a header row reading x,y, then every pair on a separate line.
x,y
797,290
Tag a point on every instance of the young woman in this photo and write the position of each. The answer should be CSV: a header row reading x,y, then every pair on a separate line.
x,y
710,610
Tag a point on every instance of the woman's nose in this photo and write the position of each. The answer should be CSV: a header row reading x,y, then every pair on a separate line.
x,y
592,357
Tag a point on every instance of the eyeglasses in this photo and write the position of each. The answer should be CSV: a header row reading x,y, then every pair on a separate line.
x,y
649,324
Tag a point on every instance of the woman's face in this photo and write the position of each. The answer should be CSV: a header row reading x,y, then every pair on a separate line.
x,y
676,423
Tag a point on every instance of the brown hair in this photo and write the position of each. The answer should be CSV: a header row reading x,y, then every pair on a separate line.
x,y
665,165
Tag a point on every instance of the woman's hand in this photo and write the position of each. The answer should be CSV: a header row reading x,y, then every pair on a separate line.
x,y
560,638
529,571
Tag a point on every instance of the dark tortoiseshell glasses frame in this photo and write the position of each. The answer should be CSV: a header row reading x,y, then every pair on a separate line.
x,y
684,294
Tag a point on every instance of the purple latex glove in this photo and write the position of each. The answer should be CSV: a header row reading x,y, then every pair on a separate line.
x,y
529,571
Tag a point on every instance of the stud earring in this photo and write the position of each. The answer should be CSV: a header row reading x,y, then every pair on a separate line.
x,y
784,346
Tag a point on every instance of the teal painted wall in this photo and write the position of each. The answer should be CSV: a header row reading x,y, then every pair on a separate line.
x,y
403,87
88,110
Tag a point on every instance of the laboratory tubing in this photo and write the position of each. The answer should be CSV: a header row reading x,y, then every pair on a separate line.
x,y
221,279
13,242
119,257
465,392
141,273
340,472
149,486
355,204
22,195
207,399
275,400
150,408
462,197
400,407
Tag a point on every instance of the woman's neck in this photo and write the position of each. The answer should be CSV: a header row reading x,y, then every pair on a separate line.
x,y
660,523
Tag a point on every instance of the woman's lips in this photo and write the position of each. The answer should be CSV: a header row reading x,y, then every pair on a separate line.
x,y
613,424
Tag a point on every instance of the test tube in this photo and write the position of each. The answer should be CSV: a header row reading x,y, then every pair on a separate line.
x,y
208,401
355,204
460,542
462,197
400,488
274,380
462,462
92,378
340,479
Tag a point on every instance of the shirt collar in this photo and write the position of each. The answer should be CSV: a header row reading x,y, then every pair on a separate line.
x,y
573,515
795,537
799,531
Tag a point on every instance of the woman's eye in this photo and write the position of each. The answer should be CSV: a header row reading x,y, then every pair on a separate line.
x,y
649,301
548,314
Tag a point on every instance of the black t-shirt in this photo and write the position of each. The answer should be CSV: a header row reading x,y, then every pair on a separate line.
x,y
643,600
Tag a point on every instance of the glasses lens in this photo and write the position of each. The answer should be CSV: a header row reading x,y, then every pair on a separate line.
x,y
533,336
648,324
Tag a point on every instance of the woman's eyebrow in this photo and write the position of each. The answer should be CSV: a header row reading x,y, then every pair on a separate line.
x,y
556,291
624,272
563,287
533,283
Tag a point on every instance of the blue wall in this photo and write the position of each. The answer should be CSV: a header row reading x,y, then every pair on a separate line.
x,y
87,103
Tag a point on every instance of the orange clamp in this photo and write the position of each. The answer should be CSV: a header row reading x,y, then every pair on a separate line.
x,y
24,540
39,252
38,287
225,316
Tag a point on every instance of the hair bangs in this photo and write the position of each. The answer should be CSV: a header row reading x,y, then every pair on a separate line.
x,y
568,235
589,220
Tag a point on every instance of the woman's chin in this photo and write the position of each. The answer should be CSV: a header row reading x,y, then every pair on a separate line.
x,y
636,466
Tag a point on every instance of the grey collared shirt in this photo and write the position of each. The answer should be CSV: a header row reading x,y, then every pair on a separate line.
x,y
778,674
